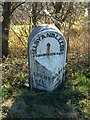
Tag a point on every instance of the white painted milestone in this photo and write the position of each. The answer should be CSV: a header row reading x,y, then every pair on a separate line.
x,y
47,57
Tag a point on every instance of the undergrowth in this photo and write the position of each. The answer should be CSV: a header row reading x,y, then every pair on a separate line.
x,y
69,100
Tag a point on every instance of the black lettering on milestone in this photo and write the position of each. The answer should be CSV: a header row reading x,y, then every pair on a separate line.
x,y
33,51
61,42
43,36
53,35
34,47
56,37
59,72
48,34
62,48
60,39
36,42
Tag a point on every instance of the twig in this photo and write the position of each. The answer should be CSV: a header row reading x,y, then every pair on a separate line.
x,y
18,37
16,6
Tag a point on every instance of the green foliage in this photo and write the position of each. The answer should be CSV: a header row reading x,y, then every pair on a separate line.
x,y
14,76
87,73
70,99
7,90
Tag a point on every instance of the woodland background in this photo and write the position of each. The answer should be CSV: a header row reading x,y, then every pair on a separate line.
x,y
71,99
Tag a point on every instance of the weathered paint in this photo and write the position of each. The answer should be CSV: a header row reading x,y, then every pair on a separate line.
x,y
47,57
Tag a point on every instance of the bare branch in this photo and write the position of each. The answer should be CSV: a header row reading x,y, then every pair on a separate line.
x,y
68,11
18,37
53,18
16,6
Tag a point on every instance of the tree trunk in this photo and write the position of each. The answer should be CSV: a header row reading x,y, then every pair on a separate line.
x,y
89,33
34,14
58,6
5,27
89,17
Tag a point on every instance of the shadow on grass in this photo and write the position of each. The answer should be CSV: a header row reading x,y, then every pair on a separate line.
x,y
62,104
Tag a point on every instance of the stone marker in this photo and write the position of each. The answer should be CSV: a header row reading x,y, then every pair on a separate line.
x,y
46,57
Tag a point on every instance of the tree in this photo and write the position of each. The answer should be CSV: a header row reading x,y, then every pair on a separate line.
x,y
89,33
89,17
34,13
5,27
8,9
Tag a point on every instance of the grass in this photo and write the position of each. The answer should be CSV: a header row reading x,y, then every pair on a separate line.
x,y
68,101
